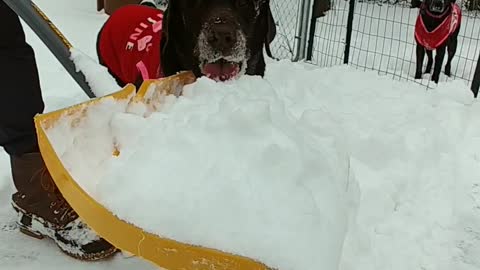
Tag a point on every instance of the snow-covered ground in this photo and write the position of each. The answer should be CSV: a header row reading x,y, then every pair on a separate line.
x,y
415,154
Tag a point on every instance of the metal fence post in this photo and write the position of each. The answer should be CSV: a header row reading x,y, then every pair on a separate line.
x,y
348,41
318,10
302,30
476,79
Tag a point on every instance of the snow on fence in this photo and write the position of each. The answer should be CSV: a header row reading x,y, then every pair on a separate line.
x,y
380,36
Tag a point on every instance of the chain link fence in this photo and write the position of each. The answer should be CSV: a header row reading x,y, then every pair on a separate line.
x,y
327,45
287,17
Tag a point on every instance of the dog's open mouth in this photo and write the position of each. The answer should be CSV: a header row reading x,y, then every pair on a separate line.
x,y
221,70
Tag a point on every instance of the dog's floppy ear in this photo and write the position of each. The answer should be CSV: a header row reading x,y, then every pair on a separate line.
x,y
172,20
169,62
166,28
271,29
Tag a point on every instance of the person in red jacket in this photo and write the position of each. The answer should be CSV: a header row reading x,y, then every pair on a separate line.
x,y
42,210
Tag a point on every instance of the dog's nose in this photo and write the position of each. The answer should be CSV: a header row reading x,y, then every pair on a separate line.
x,y
222,37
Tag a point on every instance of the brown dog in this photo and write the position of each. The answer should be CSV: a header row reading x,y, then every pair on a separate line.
x,y
215,38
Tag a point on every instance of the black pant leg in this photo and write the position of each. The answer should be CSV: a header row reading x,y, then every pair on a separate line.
x,y
20,93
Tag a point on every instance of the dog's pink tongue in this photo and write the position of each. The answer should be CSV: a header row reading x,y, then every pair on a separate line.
x,y
221,71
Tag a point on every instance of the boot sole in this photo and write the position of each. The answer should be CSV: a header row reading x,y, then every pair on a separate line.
x,y
39,235
30,233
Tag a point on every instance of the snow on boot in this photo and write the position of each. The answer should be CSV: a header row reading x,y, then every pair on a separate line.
x,y
43,212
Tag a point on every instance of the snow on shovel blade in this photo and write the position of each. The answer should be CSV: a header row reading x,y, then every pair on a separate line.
x,y
165,253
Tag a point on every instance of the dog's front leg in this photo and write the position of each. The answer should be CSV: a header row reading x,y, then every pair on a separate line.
x,y
420,57
452,49
438,63
429,62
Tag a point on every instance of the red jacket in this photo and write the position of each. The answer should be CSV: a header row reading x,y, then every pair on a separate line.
x,y
129,43
436,38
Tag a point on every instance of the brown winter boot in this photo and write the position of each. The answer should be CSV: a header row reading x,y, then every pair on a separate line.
x,y
43,212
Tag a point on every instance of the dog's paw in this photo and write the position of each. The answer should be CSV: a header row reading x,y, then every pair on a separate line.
x,y
418,76
448,71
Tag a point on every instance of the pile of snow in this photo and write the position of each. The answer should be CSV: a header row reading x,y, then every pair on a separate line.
x,y
226,166
416,157
268,168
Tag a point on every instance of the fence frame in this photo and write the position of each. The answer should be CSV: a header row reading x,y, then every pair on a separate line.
x,y
348,40
301,36
476,79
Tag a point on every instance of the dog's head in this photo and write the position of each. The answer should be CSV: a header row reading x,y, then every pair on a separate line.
x,y
221,39
438,6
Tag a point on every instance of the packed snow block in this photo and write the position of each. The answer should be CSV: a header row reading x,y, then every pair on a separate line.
x,y
205,175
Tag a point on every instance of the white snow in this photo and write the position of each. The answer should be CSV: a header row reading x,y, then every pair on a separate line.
x,y
209,157
414,153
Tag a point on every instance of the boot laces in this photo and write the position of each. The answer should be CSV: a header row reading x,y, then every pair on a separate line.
x,y
59,205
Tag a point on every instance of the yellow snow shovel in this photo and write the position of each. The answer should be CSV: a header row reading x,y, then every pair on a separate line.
x,y
165,253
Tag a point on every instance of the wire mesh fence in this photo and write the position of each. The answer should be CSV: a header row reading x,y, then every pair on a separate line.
x,y
329,36
383,39
285,13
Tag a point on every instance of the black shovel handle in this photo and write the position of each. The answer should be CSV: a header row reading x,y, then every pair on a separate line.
x,y
51,37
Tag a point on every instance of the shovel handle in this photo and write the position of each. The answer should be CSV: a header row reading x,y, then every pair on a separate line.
x,y
55,41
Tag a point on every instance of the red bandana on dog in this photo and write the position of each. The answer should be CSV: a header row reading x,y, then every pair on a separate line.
x,y
129,43
433,40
